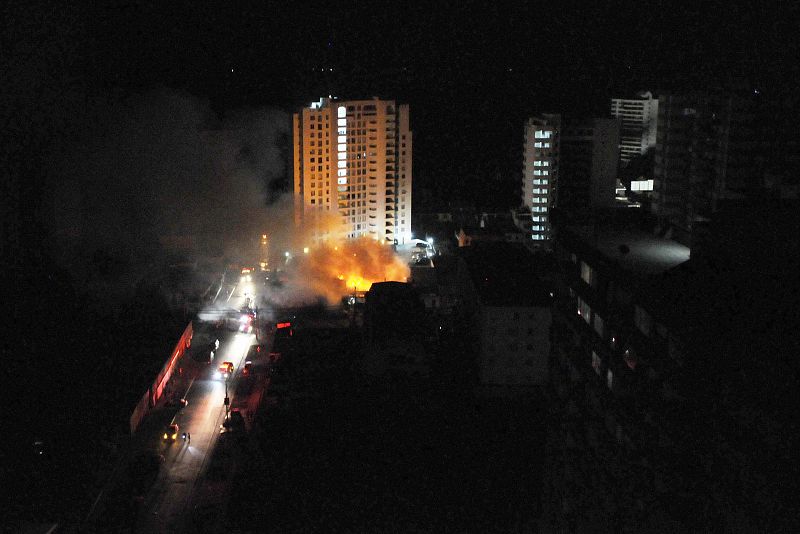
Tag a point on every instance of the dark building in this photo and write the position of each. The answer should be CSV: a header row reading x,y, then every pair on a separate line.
x,y
513,318
588,160
397,334
673,378
710,149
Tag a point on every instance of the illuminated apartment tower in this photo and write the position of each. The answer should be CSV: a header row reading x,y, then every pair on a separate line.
x,y
353,158
540,173
639,118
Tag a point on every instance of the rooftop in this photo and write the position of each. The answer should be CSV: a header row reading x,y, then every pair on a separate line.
x,y
634,250
506,274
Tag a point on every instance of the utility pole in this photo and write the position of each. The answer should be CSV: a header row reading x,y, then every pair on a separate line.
x,y
227,399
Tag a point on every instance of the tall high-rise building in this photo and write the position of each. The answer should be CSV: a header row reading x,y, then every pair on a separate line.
x,y
639,120
352,158
709,151
540,173
587,164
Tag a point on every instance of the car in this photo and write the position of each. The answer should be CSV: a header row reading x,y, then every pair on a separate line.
x,y
225,370
248,368
246,323
176,401
171,433
203,354
234,422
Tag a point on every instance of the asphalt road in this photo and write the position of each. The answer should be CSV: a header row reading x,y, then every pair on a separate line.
x,y
165,506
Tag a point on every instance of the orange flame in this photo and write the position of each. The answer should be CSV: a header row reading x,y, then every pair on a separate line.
x,y
337,270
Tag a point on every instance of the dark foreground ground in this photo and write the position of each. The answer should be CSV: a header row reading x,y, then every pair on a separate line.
x,y
367,457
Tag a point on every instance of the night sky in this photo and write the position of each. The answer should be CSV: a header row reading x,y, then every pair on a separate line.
x,y
471,72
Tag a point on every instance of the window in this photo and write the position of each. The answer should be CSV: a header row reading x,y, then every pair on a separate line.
x,y
597,363
584,310
609,379
641,185
587,274
542,134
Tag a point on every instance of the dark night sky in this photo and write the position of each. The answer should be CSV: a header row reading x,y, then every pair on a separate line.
x,y
471,72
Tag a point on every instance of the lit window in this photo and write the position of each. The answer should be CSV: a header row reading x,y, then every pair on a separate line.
x,y
584,310
341,111
537,145
537,172
341,122
586,273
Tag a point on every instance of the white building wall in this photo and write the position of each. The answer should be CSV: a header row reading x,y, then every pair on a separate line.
x,y
639,118
349,160
540,173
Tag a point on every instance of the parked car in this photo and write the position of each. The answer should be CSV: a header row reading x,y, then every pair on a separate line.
x,y
171,433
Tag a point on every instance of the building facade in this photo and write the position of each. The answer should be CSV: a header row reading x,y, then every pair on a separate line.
x,y
588,164
352,159
540,174
708,151
608,464
639,119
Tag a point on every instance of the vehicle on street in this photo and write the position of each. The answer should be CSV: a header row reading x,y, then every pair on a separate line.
x,y
171,433
234,422
246,323
225,370
176,401
248,368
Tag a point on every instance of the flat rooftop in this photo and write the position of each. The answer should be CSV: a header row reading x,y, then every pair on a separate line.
x,y
647,254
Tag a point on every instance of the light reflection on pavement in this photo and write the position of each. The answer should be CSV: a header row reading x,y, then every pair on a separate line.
x,y
166,504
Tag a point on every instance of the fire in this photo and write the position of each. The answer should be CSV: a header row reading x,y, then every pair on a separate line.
x,y
335,270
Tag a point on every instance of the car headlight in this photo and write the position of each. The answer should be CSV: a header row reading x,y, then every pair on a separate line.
x,y
165,436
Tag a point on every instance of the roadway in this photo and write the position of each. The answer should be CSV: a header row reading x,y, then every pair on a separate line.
x,y
165,506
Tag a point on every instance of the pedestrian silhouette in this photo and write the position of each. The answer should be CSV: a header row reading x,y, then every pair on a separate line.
x,y
190,437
